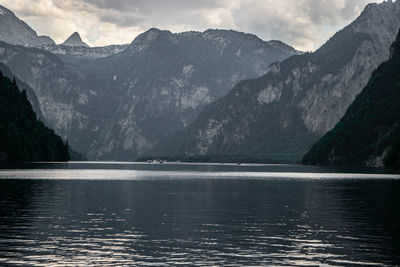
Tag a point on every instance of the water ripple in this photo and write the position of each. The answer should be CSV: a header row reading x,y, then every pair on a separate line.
x,y
224,220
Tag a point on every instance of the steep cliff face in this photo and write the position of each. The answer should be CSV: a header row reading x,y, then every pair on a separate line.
x,y
118,106
282,113
15,31
371,125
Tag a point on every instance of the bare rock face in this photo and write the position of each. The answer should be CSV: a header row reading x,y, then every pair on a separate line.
x,y
15,31
281,114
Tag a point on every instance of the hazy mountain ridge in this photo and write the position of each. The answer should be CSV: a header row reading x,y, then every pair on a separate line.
x,y
281,114
369,132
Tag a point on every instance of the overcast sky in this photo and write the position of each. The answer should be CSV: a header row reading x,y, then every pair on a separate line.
x,y
304,24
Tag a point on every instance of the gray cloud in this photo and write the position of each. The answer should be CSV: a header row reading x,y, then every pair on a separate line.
x,y
151,5
305,24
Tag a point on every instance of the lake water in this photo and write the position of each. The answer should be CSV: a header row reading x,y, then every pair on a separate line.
x,y
100,214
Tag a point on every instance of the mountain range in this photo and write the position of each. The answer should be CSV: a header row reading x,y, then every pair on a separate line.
x,y
117,106
217,93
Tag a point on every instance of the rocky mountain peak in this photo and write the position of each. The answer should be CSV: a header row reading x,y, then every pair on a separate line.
x,y
75,40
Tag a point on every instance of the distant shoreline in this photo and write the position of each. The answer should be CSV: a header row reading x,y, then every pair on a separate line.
x,y
219,159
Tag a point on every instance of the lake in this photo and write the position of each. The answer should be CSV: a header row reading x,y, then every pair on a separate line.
x,y
145,214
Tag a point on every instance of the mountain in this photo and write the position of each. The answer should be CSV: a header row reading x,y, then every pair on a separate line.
x,y
119,106
22,136
370,130
280,115
161,81
15,31
75,40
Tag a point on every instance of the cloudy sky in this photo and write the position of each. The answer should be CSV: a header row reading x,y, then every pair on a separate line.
x,y
304,24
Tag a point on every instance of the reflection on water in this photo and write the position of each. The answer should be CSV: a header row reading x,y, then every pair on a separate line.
x,y
183,216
